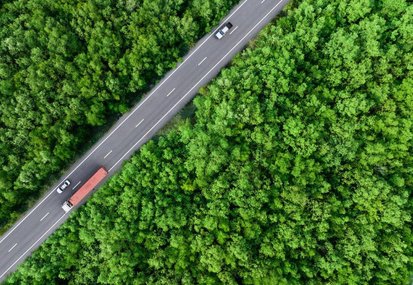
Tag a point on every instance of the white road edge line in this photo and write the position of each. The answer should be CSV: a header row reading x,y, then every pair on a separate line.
x,y
137,125
107,154
186,94
262,1
12,247
77,184
45,216
133,111
202,61
14,263
233,30
167,95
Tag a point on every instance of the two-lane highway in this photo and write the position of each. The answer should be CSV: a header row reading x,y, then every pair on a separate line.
x,y
136,127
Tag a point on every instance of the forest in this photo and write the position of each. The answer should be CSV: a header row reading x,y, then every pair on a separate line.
x,y
68,69
295,168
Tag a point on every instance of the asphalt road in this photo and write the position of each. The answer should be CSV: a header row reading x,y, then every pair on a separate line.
x,y
136,127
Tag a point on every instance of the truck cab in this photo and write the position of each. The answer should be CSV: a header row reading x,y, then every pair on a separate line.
x,y
67,206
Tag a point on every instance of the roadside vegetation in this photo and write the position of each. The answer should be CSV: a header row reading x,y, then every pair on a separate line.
x,y
69,67
295,169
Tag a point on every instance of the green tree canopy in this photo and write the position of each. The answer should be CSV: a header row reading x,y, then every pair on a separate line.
x,y
296,168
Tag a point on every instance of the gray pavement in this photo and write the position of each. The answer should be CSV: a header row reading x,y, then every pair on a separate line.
x,y
136,127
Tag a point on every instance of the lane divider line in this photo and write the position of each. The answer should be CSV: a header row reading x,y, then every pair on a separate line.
x,y
14,263
137,125
12,247
233,30
107,154
170,92
45,216
202,61
77,184
190,90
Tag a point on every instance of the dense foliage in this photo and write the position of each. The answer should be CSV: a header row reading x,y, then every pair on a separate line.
x,y
297,169
68,66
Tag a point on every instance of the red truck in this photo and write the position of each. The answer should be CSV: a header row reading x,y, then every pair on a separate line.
x,y
86,188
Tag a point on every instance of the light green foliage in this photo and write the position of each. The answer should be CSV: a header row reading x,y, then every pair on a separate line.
x,y
297,169
68,66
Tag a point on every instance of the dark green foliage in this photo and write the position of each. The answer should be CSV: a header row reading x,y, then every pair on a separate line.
x,y
68,66
297,169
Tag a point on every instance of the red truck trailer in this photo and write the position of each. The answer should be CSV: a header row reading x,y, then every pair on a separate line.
x,y
86,188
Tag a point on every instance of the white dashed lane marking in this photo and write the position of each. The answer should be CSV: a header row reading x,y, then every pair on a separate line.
x,y
233,30
107,154
202,61
77,184
13,247
139,123
44,216
170,92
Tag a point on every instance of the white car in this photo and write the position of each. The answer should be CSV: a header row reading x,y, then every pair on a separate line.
x,y
63,186
223,30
